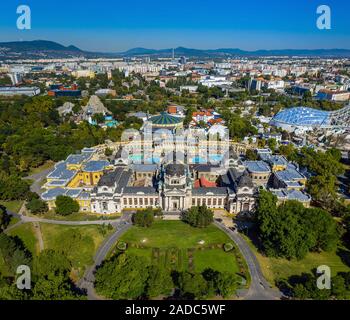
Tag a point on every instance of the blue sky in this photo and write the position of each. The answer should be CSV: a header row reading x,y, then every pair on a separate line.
x,y
116,25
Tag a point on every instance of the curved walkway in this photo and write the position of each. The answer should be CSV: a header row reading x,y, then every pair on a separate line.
x,y
259,289
87,282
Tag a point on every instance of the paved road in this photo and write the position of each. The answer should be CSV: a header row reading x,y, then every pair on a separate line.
x,y
37,178
259,289
87,282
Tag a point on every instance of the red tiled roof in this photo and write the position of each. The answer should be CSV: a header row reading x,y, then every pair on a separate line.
x,y
204,183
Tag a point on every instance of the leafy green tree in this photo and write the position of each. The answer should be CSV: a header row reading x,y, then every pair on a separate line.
x,y
227,284
51,262
272,143
251,155
291,230
4,218
54,287
37,206
199,217
144,218
123,277
159,282
339,289
192,286
66,205
13,188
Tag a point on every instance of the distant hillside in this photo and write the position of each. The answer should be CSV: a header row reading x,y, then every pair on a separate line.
x,y
37,45
238,52
50,49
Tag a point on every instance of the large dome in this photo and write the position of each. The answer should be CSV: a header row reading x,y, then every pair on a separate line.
x,y
166,120
302,116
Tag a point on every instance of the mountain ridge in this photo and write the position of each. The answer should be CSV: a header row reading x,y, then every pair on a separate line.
x,y
51,48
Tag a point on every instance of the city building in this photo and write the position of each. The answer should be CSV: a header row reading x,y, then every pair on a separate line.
x,y
18,91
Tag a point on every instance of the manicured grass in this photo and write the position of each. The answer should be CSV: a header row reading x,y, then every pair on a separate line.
x,y
13,221
26,233
13,206
168,234
277,268
215,259
175,245
79,243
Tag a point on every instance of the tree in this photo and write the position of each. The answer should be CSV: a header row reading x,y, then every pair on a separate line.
x,y
54,287
192,286
122,277
99,118
251,155
144,218
159,282
66,205
272,143
37,206
227,284
13,188
291,230
198,216
339,289
4,218
108,152
51,262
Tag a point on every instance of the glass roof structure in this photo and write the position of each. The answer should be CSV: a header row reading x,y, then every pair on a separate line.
x,y
303,116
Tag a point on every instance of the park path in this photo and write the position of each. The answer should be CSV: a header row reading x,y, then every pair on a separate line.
x,y
87,282
259,289
39,235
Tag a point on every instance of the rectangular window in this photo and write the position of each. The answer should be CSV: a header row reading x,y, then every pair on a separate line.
x,y
151,201
135,202
193,201
209,202
214,201
125,201
220,202
141,201
146,201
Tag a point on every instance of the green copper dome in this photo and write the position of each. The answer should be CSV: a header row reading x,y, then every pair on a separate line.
x,y
165,119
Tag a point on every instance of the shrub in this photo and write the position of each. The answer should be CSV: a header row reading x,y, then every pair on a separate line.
x,y
121,245
228,246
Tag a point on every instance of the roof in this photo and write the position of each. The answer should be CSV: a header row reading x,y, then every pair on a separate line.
x,y
292,195
175,169
144,167
219,191
61,172
204,183
303,116
165,119
289,175
96,166
245,181
257,166
140,190
110,179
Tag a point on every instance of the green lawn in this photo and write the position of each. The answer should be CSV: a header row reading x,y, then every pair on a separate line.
x,y
277,268
26,233
79,243
175,245
167,234
216,259
13,206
